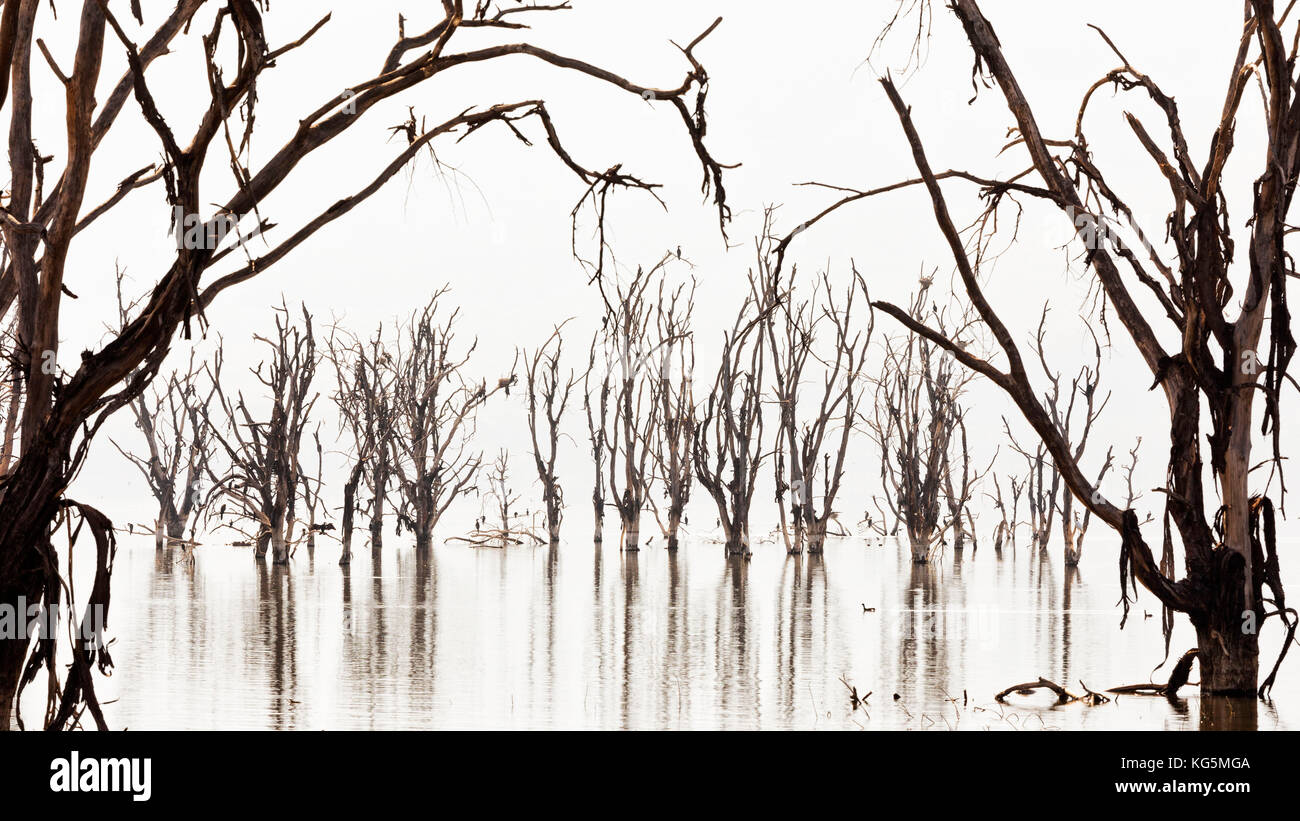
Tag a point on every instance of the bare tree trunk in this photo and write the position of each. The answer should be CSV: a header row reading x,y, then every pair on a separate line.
x,y
423,539
817,536
921,543
674,524
349,511
279,547
632,531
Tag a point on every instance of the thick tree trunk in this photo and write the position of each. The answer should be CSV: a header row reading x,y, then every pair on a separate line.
x,y
349,513
1229,657
377,516
176,528
816,537
674,524
279,548
1041,538
920,544
737,544
554,516
632,531
800,528
737,537
167,527
423,539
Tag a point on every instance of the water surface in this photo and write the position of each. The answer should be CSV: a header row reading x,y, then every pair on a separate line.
x,y
586,637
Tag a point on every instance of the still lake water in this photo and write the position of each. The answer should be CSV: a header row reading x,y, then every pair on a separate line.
x,y
584,637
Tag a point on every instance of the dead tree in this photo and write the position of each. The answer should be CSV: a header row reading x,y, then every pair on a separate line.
x,y
912,421
1222,360
436,409
960,491
597,412
548,397
807,448
499,486
311,487
628,348
1073,411
64,403
1009,521
364,400
263,480
178,450
503,496
1042,485
511,527
1082,398
674,373
728,448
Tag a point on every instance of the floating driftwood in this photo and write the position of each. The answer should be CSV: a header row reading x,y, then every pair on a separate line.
x,y
1177,678
1063,696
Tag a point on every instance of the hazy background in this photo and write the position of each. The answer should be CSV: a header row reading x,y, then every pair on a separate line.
x,y
792,97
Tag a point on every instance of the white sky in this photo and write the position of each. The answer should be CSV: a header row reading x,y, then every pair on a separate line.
x,y
791,97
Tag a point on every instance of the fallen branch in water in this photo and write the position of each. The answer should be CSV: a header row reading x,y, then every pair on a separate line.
x,y
1177,678
1063,696
1092,697
498,537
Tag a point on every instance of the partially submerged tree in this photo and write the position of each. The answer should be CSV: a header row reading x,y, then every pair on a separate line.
x,y
1009,517
548,397
178,450
673,393
807,448
1074,429
1042,485
62,410
913,419
1221,359
263,479
1073,410
628,346
435,412
509,526
365,402
960,490
311,487
595,405
177,445
728,448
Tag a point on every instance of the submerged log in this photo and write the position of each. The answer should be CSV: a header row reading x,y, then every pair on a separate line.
x,y
1177,678
1063,696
